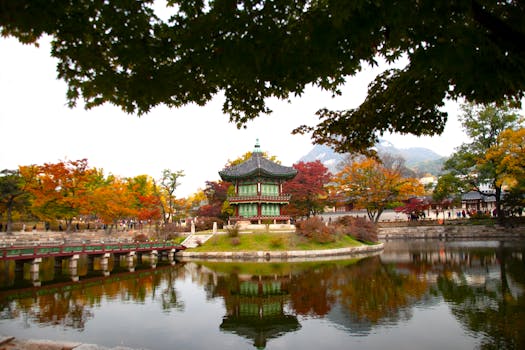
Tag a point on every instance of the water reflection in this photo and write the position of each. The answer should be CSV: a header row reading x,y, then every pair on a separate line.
x,y
481,284
70,304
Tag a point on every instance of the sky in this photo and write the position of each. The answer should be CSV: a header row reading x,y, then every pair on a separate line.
x,y
37,127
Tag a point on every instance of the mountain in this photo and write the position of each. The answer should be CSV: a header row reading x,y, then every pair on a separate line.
x,y
421,160
326,155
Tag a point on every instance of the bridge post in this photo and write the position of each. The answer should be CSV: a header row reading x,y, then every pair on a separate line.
x,y
171,256
153,258
73,267
129,259
104,264
34,272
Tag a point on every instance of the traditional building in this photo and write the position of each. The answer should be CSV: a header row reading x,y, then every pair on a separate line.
x,y
258,183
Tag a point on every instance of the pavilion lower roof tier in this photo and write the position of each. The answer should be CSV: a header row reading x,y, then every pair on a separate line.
x,y
281,199
258,166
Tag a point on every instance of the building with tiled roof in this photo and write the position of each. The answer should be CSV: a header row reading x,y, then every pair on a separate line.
x,y
258,189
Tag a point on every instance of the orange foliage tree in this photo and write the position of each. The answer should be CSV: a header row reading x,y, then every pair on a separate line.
x,y
60,190
146,198
113,201
368,184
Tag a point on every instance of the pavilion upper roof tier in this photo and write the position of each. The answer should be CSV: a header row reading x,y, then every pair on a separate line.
x,y
255,166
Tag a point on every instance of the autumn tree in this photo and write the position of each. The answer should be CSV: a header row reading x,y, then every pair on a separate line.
x,y
123,53
147,201
247,156
192,203
216,193
60,190
309,194
13,195
114,202
367,183
509,156
168,183
478,162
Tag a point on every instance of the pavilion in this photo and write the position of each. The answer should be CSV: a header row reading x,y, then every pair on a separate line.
x,y
259,196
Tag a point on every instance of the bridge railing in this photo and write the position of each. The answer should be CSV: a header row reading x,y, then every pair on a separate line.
x,y
25,252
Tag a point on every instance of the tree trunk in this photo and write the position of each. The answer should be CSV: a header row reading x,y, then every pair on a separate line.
x,y
499,211
9,225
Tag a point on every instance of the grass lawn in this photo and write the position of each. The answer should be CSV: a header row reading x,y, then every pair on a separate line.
x,y
270,241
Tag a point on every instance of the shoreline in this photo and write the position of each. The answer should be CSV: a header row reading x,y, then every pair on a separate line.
x,y
286,255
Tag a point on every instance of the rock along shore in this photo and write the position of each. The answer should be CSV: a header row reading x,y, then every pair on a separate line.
x,y
12,343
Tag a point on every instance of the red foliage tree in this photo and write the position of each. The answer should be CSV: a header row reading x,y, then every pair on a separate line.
x,y
216,192
309,194
414,207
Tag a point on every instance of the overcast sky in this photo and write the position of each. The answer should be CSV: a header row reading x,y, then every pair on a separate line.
x,y
37,127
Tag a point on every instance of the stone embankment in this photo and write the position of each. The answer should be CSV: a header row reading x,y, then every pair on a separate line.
x,y
450,231
290,255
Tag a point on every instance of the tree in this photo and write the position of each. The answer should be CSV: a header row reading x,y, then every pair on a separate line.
x,y
122,53
114,201
13,196
168,184
309,194
216,192
478,163
247,156
414,208
367,183
60,190
148,202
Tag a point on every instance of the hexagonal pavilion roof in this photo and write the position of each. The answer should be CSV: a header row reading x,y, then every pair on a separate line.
x,y
257,165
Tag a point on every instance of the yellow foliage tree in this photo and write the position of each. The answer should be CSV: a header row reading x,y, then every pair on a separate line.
x,y
509,155
369,184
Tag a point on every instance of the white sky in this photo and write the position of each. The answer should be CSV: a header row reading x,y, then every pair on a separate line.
x,y
37,127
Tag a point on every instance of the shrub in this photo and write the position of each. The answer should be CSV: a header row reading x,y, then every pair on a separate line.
x,y
235,241
315,229
233,231
141,237
359,228
277,241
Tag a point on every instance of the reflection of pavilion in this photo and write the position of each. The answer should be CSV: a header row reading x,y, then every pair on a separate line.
x,y
256,311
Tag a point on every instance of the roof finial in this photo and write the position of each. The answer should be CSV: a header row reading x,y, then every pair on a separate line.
x,y
257,147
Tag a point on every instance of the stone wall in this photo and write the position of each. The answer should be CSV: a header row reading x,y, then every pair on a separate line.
x,y
451,231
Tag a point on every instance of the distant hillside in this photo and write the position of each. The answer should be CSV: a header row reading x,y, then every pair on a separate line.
x,y
421,160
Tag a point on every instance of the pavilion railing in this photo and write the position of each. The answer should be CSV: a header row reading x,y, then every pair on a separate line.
x,y
260,198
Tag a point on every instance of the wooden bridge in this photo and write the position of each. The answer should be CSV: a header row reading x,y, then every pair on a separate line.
x,y
33,255
66,250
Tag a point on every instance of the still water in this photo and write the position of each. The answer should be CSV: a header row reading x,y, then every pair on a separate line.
x,y
415,295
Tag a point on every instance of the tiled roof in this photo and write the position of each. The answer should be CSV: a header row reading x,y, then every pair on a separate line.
x,y
257,165
474,195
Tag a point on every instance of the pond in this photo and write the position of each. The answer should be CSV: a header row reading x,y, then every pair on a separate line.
x,y
416,294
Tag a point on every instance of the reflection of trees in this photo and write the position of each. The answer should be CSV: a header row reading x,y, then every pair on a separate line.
x,y
373,291
311,292
489,306
169,293
366,291
71,304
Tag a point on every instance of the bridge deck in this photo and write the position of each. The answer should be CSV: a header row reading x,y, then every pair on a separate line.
x,y
42,251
